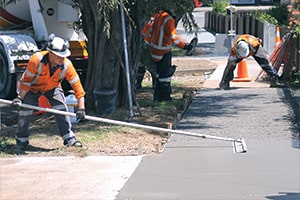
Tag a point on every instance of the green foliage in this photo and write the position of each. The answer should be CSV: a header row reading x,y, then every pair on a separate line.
x,y
3,142
266,17
104,9
4,3
189,23
163,106
295,79
294,16
207,2
220,6
280,13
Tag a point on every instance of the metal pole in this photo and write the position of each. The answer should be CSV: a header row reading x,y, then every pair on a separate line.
x,y
231,31
116,122
239,145
126,60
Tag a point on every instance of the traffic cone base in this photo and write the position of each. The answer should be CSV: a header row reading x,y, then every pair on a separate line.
x,y
242,73
247,79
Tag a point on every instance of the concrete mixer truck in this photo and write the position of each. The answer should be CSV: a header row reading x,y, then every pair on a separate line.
x,y
24,29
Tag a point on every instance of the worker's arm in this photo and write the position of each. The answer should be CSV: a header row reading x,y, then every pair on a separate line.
x,y
81,103
22,94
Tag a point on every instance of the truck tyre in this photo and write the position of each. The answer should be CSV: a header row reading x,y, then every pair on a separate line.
x,y
7,80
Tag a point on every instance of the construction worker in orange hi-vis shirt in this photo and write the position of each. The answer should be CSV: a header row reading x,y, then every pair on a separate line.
x,y
43,76
160,34
243,47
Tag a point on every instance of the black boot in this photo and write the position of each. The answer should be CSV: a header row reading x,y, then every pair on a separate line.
x,y
72,142
156,92
275,82
165,91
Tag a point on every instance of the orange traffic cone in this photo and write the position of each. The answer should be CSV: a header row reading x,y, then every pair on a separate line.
x,y
242,73
277,38
43,102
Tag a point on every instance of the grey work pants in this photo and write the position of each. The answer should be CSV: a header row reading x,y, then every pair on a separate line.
x,y
57,100
260,57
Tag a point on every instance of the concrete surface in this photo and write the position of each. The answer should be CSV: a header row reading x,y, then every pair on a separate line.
x,y
192,168
65,178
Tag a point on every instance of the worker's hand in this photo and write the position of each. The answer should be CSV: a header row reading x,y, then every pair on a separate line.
x,y
188,47
17,102
80,114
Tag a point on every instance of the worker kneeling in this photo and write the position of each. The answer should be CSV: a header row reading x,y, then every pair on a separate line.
x,y
245,46
43,76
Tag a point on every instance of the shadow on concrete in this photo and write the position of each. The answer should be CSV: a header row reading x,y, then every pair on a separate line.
x,y
285,196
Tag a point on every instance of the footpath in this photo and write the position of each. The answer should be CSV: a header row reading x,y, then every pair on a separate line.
x,y
194,169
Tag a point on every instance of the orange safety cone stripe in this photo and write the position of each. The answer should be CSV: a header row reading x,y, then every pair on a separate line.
x,y
277,38
242,73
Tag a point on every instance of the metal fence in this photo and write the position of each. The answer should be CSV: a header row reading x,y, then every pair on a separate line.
x,y
244,23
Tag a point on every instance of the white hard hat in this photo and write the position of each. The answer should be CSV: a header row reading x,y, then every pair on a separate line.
x,y
59,47
242,49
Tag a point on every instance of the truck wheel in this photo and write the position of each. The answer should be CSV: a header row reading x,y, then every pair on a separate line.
x,y
7,80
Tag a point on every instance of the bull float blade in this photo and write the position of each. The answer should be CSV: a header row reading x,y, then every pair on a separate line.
x,y
239,146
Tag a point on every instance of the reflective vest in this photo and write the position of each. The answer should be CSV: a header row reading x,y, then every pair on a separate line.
x,y
162,35
253,42
146,32
36,77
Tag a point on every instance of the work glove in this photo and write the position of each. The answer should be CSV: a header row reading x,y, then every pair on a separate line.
x,y
80,114
17,102
188,47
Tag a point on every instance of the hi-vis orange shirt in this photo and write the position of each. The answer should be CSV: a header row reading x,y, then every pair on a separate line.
x,y
146,32
162,35
253,42
36,77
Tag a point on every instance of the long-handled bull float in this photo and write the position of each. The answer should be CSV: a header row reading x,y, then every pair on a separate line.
x,y
239,145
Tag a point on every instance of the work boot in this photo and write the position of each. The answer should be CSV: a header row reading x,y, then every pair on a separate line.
x,y
275,82
165,92
21,145
224,86
72,142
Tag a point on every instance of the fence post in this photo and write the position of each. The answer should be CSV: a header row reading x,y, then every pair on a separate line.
x,y
247,24
240,25
252,26
207,20
268,37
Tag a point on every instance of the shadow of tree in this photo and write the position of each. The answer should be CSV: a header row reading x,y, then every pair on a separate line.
x,y
285,196
12,150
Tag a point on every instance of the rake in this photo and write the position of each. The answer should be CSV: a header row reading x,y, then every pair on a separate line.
x,y
239,145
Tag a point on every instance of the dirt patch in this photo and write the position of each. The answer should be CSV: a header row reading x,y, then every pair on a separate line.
x,y
104,139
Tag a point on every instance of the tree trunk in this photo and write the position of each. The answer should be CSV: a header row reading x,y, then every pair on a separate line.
x,y
106,69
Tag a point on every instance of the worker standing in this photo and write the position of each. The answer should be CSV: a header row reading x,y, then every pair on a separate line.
x,y
43,76
146,63
160,33
243,47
